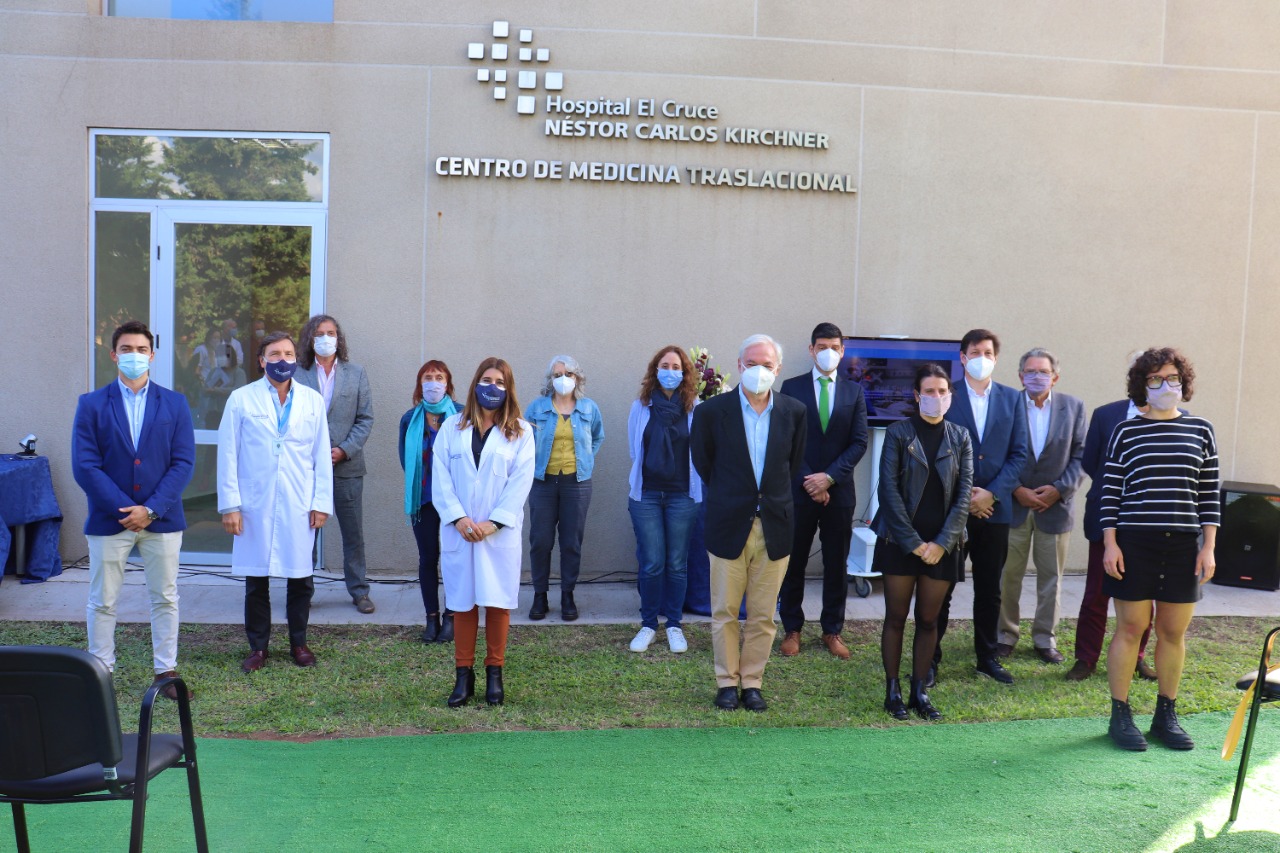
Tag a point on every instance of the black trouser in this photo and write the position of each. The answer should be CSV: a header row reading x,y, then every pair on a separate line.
x,y
986,550
836,526
557,502
257,610
427,531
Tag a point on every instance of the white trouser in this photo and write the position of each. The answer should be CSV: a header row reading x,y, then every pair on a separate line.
x,y
107,556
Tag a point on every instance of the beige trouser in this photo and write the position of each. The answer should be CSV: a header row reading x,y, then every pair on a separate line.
x,y
107,558
1049,552
754,574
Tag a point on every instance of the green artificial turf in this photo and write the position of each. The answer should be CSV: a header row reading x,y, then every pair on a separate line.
x,y
1037,785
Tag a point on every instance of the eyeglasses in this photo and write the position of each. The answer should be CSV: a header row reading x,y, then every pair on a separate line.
x,y
1174,380
1037,373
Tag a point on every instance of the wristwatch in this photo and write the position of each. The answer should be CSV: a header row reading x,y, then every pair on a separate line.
x,y
151,514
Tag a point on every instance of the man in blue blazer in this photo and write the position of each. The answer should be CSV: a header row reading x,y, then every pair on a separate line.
x,y
823,488
747,446
133,452
997,424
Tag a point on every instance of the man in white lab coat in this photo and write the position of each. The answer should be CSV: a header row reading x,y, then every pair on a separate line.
x,y
275,489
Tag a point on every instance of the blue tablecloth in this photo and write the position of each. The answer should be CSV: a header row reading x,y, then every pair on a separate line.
x,y
26,497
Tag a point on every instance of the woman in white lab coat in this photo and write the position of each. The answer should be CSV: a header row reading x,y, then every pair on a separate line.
x,y
481,473
275,489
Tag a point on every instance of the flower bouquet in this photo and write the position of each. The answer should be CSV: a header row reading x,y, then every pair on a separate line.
x,y
711,380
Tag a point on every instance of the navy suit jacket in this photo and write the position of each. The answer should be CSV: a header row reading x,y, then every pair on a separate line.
x,y
998,458
1102,423
837,450
113,474
718,447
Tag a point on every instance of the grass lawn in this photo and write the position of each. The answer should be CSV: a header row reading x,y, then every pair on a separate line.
x,y
382,680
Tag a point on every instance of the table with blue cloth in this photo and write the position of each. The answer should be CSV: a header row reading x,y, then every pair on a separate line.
x,y
27,498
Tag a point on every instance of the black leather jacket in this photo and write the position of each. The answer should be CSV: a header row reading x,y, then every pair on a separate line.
x,y
903,474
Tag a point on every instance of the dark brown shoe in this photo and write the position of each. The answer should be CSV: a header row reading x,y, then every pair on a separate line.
x,y
1079,672
1004,650
364,604
1050,655
790,645
1145,671
255,661
171,690
302,656
836,646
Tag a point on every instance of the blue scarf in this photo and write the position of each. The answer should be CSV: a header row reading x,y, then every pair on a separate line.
x,y
413,437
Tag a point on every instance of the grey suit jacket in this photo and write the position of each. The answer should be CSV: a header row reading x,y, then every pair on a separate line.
x,y
350,413
1060,464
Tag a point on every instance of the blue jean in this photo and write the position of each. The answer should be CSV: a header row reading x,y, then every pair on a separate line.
x,y
663,522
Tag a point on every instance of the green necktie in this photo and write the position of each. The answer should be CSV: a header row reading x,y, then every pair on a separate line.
x,y
824,402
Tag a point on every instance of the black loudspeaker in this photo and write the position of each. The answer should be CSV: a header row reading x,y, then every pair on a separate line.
x,y
1248,550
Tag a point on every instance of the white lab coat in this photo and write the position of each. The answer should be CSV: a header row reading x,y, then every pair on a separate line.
x,y
486,572
276,494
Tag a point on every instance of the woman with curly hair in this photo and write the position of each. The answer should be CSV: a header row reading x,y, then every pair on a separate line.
x,y
1160,515
664,491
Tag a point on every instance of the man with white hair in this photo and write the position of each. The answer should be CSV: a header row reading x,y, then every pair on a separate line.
x,y
747,447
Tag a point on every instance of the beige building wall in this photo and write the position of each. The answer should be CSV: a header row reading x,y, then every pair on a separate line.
x,y
1090,177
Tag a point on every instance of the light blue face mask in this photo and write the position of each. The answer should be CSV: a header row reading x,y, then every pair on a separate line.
x,y
670,379
133,364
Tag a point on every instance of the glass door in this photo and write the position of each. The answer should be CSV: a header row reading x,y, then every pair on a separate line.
x,y
227,277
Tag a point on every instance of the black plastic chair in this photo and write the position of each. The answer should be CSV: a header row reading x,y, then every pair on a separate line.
x,y
1267,691
60,739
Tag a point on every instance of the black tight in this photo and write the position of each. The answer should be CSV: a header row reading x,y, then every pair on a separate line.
x,y
929,594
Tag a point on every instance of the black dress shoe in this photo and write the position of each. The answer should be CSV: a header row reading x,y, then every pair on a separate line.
x,y
539,608
727,698
991,668
493,692
465,687
568,609
446,628
432,631
752,700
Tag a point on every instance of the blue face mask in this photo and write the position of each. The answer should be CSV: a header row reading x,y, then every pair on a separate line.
x,y
281,371
133,364
670,379
490,396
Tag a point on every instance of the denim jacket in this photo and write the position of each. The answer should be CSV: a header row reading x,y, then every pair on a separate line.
x,y
588,434
903,474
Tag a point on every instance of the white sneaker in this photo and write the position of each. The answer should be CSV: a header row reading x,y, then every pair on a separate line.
x,y
676,640
643,639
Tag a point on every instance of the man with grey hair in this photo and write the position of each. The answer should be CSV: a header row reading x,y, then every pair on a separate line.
x,y
747,447
1043,508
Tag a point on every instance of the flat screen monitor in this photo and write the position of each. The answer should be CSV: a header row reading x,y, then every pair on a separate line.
x,y
886,370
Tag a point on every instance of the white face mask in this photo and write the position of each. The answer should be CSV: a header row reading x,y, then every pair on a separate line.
x,y
325,345
980,367
758,379
564,385
934,407
827,359
1164,398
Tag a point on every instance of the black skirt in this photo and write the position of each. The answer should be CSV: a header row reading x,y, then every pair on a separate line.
x,y
889,559
1159,565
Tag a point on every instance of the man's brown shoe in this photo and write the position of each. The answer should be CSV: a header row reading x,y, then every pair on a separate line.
x,y
1079,672
790,645
171,690
1145,672
255,661
836,646
1004,650
302,656
1049,655
364,604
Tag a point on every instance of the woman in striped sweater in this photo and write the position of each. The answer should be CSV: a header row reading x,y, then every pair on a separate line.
x,y
1159,497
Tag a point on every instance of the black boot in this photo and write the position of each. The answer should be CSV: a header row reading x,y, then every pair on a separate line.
x,y
539,608
493,693
1122,729
465,687
568,610
432,632
446,628
919,701
1165,727
893,699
